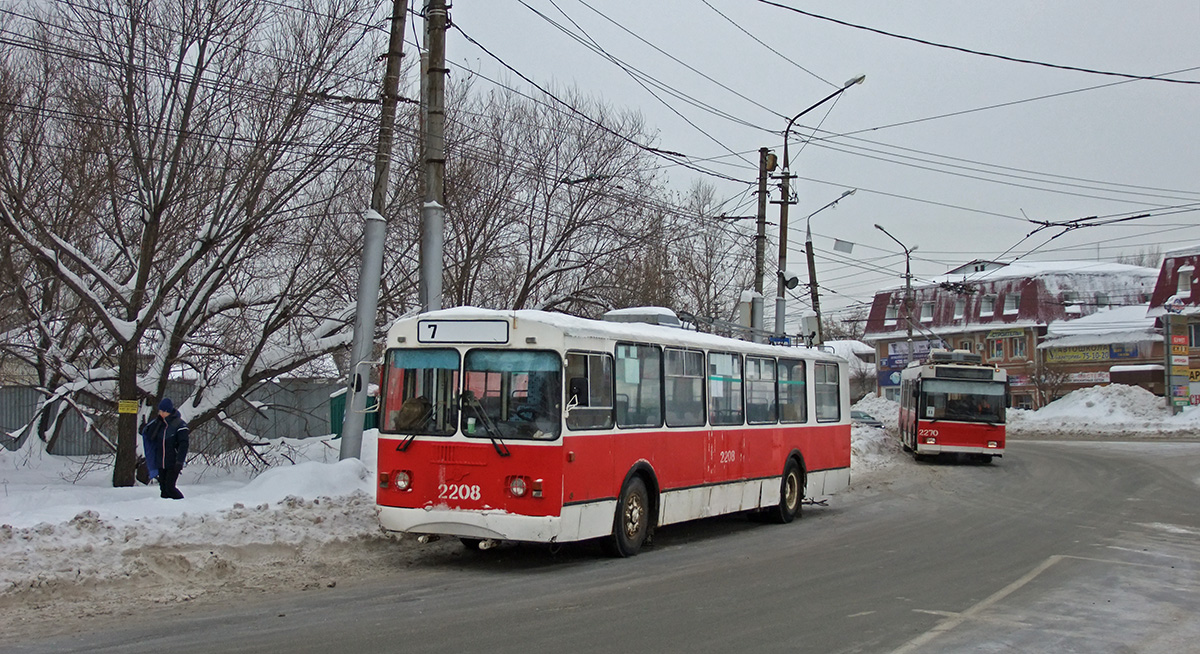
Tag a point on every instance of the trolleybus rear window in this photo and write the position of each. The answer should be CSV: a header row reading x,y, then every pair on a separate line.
x,y
420,394
512,394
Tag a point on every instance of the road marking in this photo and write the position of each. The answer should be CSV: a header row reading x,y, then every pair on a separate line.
x,y
859,615
950,623
953,620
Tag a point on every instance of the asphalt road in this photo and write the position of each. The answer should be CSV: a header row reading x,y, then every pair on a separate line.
x,y
1057,547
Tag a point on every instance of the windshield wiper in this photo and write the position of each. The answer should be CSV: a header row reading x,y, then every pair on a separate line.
x,y
489,427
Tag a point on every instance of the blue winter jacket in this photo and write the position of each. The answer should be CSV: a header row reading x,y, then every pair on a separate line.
x,y
165,443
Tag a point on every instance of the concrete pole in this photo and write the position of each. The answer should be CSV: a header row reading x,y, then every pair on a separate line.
x,y
784,202
434,146
766,163
374,236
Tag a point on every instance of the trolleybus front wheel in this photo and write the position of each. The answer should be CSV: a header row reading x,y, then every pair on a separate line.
x,y
632,520
791,492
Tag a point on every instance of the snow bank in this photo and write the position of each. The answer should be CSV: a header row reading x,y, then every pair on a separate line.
x,y
872,448
1111,411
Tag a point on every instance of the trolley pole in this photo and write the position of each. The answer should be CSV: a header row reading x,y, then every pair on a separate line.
x,y
374,235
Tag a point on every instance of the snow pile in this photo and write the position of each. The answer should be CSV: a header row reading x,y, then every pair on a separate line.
x,y
882,409
1115,410
872,448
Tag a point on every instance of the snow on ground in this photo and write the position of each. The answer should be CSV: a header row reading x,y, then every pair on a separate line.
x,y
68,539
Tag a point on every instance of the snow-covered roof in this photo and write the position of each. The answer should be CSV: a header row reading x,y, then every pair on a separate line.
x,y
1114,319
1101,338
1186,251
1122,274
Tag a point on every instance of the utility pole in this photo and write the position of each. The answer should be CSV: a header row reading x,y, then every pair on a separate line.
x,y
766,164
814,296
785,200
374,236
433,146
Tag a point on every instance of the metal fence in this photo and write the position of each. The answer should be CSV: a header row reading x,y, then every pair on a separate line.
x,y
293,408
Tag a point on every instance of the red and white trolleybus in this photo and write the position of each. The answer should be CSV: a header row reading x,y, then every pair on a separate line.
x,y
542,427
953,403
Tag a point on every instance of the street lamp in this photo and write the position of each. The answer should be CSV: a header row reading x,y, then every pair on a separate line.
x,y
785,201
907,286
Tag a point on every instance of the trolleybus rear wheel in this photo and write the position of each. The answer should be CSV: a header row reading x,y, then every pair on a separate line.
x,y
471,543
791,492
632,520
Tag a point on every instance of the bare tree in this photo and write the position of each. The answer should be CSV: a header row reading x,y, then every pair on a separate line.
x,y
180,197
545,209
711,258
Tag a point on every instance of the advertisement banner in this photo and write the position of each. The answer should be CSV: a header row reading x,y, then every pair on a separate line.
x,y
1179,360
1179,349
1088,378
918,347
1080,354
1179,339
888,378
1123,351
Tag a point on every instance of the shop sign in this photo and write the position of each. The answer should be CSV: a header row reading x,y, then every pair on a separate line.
x,y
1194,375
1180,371
1179,390
1079,354
1179,339
1088,378
1123,351
1179,360
1006,333
1179,349
918,347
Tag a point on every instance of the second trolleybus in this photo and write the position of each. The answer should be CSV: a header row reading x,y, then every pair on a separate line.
x,y
542,427
953,403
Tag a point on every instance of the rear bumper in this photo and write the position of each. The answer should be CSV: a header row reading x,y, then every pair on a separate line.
x,y
959,449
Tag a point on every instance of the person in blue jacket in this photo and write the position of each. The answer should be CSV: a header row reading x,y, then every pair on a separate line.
x,y
165,441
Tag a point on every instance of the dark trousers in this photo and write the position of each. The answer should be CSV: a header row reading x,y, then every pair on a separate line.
x,y
166,483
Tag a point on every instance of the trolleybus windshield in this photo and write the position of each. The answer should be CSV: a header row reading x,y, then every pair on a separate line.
x,y
512,394
421,392
963,400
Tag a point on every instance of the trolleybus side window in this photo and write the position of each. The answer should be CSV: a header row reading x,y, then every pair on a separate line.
x,y
761,407
589,391
638,385
724,389
793,391
827,395
684,373
420,394
512,394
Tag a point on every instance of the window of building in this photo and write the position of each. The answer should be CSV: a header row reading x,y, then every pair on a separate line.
x,y
1183,282
724,389
926,311
889,316
1194,335
638,385
1017,347
996,348
1012,302
1070,302
966,345
1022,401
684,388
987,306
1101,300
760,391
960,305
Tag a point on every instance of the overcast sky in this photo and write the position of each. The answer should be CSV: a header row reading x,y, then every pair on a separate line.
x,y
957,186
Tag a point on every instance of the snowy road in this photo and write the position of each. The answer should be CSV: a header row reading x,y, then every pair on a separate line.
x,y
1058,547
